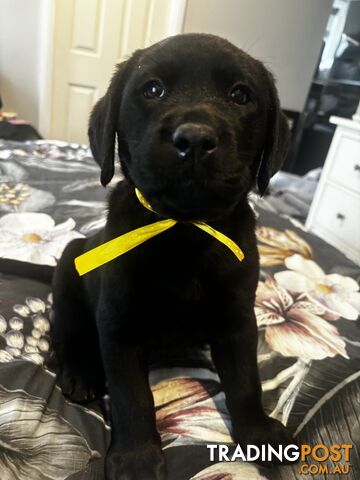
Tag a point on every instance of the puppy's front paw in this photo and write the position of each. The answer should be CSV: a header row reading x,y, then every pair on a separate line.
x,y
262,431
145,463
80,388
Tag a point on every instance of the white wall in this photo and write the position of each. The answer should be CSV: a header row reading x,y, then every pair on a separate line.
x,y
285,34
21,56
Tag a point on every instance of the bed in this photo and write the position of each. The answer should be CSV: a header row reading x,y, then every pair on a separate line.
x,y
309,340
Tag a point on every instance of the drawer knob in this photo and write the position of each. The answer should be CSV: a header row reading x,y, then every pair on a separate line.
x,y
340,216
357,167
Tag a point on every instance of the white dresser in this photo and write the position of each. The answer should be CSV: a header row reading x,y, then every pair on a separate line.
x,y
335,211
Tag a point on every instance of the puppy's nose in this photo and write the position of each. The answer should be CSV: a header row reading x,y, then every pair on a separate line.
x,y
194,138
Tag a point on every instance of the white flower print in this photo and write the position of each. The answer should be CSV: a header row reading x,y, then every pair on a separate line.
x,y
294,326
20,197
338,294
19,345
16,323
33,237
36,442
230,471
3,324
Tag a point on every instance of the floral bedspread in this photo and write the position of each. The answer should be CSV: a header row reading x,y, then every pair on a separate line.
x,y
307,307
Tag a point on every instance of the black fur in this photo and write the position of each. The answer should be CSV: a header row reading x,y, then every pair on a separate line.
x,y
182,287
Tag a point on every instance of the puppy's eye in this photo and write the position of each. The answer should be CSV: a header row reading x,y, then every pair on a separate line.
x,y
240,94
153,89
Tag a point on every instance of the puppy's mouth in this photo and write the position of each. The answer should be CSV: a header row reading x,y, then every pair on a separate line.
x,y
192,200
193,191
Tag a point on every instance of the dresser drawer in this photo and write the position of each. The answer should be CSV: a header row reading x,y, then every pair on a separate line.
x,y
345,167
339,214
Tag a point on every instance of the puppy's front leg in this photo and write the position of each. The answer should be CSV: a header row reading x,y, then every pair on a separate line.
x,y
235,357
135,451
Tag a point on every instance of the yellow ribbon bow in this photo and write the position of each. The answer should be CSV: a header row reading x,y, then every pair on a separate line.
x,y
118,246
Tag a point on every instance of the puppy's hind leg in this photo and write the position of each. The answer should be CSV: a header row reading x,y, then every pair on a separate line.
x,y
74,334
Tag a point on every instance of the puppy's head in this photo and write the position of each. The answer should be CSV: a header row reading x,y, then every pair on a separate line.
x,y
197,123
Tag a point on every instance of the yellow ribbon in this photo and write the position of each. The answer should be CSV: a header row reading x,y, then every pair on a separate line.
x,y
118,246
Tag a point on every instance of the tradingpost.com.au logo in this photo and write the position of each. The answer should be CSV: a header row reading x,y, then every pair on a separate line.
x,y
310,456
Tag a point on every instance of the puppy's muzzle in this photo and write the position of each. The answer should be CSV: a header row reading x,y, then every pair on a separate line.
x,y
194,140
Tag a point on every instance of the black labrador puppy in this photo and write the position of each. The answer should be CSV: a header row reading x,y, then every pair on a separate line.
x,y
197,123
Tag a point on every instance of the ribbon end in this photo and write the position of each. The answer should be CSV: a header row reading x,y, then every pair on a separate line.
x,y
79,267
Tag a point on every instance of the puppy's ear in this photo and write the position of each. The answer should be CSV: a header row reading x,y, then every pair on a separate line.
x,y
103,123
276,140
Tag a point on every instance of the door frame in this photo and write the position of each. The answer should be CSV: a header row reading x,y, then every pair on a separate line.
x,y
47,32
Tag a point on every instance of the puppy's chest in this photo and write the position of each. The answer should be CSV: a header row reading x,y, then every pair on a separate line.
x,y
177,269
177,275
182,270
180,283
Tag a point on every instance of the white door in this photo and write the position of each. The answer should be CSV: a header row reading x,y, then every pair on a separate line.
x,y
91,36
